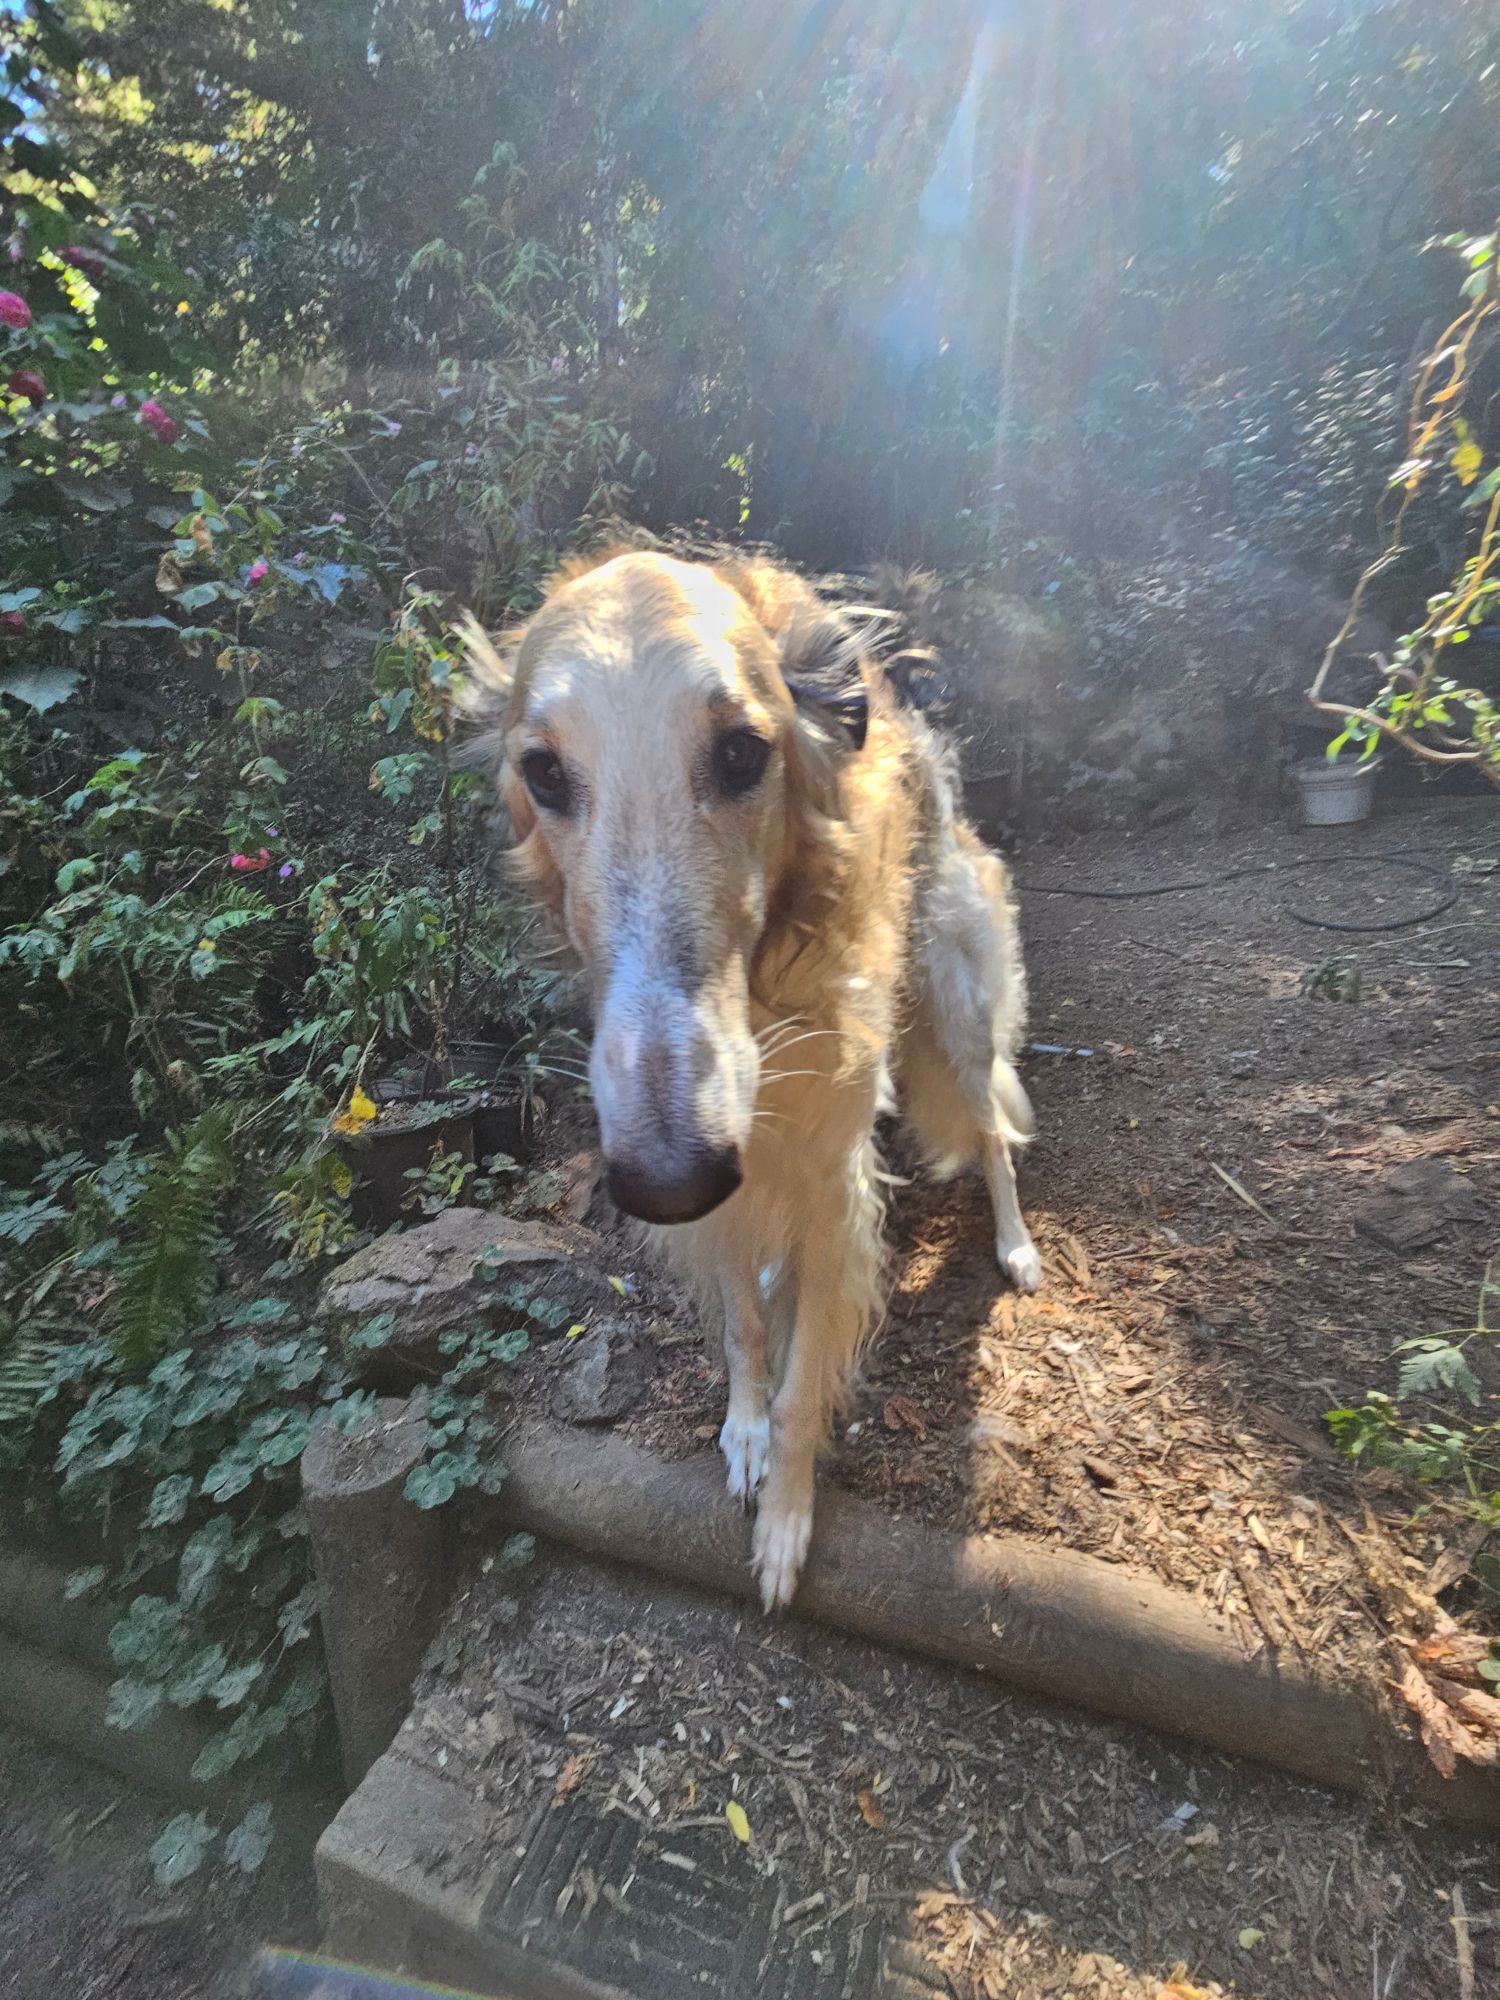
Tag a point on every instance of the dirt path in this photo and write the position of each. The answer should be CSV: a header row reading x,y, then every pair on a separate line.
x,y
601,1731
1194,1190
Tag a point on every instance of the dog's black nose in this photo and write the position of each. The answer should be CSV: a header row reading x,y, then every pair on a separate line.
x,y
680,1194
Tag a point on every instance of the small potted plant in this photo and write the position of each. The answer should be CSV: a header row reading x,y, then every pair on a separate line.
x,y
388,1143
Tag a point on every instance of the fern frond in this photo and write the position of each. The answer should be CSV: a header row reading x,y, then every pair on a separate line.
x,y
25,1371
168,1265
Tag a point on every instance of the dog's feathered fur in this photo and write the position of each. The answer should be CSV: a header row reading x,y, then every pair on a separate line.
x,y
851,937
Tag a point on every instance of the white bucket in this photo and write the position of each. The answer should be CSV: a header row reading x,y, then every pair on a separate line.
x,y
1336,794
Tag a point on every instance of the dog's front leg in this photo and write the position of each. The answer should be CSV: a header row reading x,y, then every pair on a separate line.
x,y
745,1438
837,1294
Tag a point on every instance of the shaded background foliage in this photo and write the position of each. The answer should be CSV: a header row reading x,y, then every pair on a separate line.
x,y
1128,287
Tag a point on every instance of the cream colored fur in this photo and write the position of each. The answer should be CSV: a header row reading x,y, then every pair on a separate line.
x,y
845,935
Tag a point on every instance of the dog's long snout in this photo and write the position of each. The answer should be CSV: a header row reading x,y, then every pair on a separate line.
x,y
675,1191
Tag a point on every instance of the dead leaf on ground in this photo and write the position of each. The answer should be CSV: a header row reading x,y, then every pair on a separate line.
x,y
901,1413
572,1774
1445,1736
870,1810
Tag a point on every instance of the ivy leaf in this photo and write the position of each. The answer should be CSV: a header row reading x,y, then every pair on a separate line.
x,y
296,1616
230,1689
431,1484
247,1845
83,1581
258,1312
169,1500
202,1556
244,1736
375,1332
230,1473
196,1678
149,1628
181,1849
132,1703
518,1549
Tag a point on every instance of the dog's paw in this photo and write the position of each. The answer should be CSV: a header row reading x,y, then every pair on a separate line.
x,y
1021,1264
780,1549
745,1443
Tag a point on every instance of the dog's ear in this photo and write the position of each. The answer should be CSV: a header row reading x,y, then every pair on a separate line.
x,y
486,691
821,647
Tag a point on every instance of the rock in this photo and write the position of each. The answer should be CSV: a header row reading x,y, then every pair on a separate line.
x,y
1415,1204
1242,1062
609,1373
425,1276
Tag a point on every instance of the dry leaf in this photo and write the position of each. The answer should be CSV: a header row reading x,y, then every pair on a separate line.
x,y
901,1413
1444,1737
869,1809
571,1775
1453,1653
739,1824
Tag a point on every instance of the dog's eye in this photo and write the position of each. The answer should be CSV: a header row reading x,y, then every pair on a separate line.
x,y
546,780
740,759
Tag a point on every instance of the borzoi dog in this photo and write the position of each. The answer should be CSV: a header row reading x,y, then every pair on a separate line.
x,y
756,854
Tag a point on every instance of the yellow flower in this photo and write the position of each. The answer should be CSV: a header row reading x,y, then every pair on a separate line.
x,y
1467,457
361,1113
739,1822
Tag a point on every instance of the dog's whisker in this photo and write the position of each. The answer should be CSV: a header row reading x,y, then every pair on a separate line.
x,y
787,1039
810,1035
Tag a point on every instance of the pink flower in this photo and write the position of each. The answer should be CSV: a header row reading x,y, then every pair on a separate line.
x,y
337,520
28,383
558,364
246,864
287,868
87,261
13,622
258,572
153,414
117,402
300,556
14,311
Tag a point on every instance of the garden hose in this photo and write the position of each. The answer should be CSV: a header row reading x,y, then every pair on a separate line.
x,y
1445,902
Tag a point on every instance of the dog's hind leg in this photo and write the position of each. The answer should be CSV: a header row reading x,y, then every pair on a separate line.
x,y
960,1090
1015,1252
746,1436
